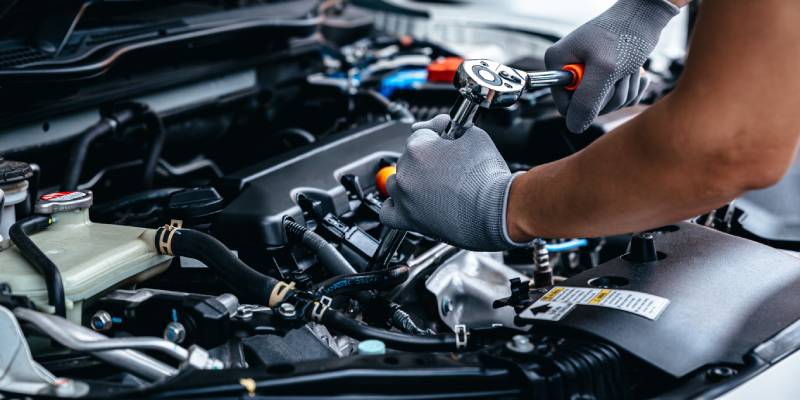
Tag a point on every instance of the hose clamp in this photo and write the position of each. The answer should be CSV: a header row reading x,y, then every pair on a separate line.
x,y
165,240
319,308
462,336
278,293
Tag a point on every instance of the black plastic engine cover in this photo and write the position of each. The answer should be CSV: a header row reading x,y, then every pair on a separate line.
x,y
265,192
727,295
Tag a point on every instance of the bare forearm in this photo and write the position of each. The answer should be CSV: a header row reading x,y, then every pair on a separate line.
x,y
730,126
680,3
626,181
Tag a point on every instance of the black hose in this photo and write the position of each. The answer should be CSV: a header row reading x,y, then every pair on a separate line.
x,y
376,280
328,256
251,285
20,234
395,110
334,320
77,155
156,146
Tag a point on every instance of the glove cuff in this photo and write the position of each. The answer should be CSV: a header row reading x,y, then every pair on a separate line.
x,y
642,16
504,220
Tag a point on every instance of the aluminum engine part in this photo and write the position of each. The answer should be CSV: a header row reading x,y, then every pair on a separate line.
x,y
466,286
19,373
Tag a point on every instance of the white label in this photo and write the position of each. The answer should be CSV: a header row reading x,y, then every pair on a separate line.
x,y
642,304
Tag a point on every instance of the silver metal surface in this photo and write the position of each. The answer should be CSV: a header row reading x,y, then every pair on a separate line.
x,y
19,373
63,201
483,84
129,360
101,321
175,332
423,263
520,344
55,326
467,285
287,310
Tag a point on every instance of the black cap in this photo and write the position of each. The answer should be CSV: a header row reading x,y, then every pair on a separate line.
x,y
14,171
194,203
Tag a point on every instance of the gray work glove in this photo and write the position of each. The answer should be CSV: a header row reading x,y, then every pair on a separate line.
x,y
613,47
452,190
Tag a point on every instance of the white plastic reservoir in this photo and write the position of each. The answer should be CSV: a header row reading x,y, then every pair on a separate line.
x,y
93,258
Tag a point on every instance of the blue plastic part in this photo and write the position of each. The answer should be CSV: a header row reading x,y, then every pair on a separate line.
x,y
174,315
566,246
116,320
403,79
371,347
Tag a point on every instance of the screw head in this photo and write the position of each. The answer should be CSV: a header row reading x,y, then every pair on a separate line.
x,y
721,372
175,332
287,310
446,306
520,344
101,321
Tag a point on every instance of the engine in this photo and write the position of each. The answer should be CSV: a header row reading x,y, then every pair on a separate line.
x,y
206,224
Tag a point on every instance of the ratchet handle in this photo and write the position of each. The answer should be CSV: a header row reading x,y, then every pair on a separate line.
x,y
569,77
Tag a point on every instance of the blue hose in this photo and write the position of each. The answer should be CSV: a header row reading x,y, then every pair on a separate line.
x,y
569,245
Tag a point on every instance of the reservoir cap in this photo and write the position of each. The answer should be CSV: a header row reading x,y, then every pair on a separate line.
x,y
63,201
371,347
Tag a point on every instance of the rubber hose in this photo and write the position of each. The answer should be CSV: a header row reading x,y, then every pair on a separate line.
x,y
328,256
79,150
20,235
334,320
379,280
154,152
251,285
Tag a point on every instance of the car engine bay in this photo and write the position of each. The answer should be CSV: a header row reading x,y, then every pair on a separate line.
x,y
191,209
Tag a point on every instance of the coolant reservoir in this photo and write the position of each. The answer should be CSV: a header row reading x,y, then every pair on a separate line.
x,y
92,258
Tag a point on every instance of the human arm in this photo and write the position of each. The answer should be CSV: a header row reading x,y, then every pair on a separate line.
x,y
731,125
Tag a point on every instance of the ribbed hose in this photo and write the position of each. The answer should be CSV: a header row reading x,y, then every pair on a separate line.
x,y
328,256
250,285
20,235
334,320
376,280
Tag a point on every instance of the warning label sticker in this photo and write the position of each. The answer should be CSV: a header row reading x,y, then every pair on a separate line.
x,y
560,300
63,196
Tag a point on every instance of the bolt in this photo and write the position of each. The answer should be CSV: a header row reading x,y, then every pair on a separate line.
x,y
718,373
287,310
446,306
175,332
520,344
101,321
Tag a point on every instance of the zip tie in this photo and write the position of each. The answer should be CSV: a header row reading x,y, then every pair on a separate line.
x,y
279,292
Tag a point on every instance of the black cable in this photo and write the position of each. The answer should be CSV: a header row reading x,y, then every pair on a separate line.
x,y
20,235
251,285
336,321
328,256
376,280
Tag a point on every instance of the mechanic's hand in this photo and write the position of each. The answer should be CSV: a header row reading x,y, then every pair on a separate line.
x,y
452,190
613,47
